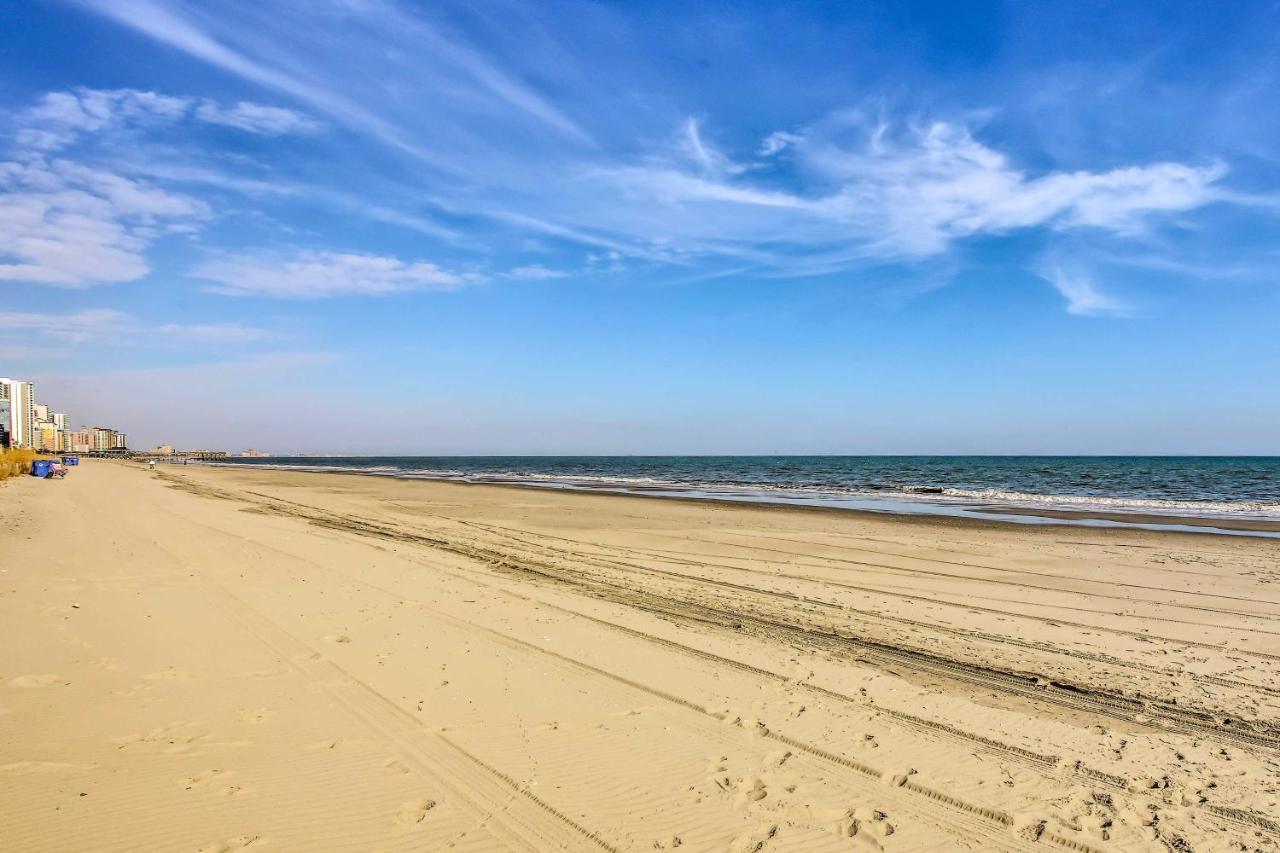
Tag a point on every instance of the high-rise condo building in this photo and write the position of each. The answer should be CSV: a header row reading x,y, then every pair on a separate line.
x,y
80,441
46,438
101,438
20,398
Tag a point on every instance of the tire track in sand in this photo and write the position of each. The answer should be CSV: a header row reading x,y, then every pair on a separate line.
x,y
524,821
1148,711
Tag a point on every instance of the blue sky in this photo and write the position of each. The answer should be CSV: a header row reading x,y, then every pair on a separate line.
x,y
505,227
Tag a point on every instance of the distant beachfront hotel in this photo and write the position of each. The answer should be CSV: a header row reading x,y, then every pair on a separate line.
x,y
17,412
27,423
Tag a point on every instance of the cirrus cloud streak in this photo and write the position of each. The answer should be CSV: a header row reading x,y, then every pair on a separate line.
x,y
311,275
105,325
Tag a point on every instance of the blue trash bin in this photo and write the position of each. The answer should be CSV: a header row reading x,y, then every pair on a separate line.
x,y
71,460
41,468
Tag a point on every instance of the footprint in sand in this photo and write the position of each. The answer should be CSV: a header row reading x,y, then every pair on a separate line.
x,y
170,674
395,767
203,779
33,681
240,842
752,790
177,739
414,811
178,734
867,825
213,780
754,840
255,716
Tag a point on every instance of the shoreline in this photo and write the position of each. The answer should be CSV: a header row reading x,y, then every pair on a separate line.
x,y
921,509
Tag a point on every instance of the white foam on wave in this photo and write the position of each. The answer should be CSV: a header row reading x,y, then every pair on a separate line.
x,y
809,493
1119,504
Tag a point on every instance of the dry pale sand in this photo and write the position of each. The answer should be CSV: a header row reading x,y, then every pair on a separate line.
x,y
203,659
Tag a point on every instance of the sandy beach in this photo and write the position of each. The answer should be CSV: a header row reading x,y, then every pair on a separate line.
x,y
220,659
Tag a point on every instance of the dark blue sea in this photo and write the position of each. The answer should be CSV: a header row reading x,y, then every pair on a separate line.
x,y
1225,487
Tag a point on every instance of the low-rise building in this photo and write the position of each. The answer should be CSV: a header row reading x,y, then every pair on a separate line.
x,y
203,454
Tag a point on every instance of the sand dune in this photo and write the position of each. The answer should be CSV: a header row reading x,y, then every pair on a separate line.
x,y
202,659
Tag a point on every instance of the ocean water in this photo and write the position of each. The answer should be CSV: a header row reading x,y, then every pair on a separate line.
x,y
1222,487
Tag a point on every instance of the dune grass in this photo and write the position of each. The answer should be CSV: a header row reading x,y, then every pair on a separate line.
x,y
15,462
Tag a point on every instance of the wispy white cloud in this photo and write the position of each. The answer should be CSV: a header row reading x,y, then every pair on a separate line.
x,y
88,215
535,272
118,328
159,167
911,193
619,246
256,118
707,159
60,118
319,274
361,206
1252,266
1081,291
940,184
235,43
461,60
70,225
776,142
163,168
66,220
175,30
208,333
72,328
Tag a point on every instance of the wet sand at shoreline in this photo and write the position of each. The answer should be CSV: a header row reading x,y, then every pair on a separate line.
x,y
221,659
920,506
